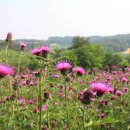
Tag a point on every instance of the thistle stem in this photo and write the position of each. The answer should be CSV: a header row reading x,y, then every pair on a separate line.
x,y
84,117
19,61
48,119
40,105
66,103
6,53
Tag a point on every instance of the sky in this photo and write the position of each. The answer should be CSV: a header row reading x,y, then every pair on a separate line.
x,y
40,19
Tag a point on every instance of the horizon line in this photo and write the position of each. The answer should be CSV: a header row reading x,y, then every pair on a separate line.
x,y
69,36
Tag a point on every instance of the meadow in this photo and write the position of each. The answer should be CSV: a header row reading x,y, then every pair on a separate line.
x,y
60,96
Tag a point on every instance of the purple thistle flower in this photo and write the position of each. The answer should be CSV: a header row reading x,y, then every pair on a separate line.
x,y
31,83
63,66
23,45
30,101
124,79
36,51
126,89
119,93
43,51
44,107
22,100
102,115
56,76
81,93
24,83
113,67
79,70
100,88
5,70
35,73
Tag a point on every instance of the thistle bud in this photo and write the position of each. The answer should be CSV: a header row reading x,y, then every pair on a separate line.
x,y
9,37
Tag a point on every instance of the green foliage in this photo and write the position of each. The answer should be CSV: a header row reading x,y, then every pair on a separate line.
x,y
14,57
70,55
86,55
63,109
111,59
60,54
32,64
57,53
82,53
79,42
90,56
124,62
13,46
115,43
128,58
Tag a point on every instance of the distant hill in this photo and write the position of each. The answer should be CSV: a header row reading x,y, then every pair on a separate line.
x,y
55,42
116,43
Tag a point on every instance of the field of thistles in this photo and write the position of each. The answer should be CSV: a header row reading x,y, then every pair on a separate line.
x,y
60,96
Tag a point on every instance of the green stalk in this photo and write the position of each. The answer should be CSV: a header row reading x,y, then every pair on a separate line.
x,y
114,114
48,119
95,107
75,122
66,103
40,114
40,93
83,117
17,101
19,61
6,53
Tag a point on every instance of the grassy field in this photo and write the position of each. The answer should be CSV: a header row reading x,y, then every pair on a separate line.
x,y
63,97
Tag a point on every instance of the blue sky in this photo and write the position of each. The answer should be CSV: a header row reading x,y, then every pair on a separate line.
x,y
39,19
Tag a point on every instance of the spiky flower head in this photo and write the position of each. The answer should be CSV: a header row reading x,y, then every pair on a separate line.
x,y
5,70
124,79
100,88
79,70
119,93
63,66
45,50
41,51
36,51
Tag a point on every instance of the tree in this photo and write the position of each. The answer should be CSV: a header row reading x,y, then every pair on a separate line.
x,y
89,56
111,59
79,42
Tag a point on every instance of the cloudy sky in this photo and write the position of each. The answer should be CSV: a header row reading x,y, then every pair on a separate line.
x,y
39,19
